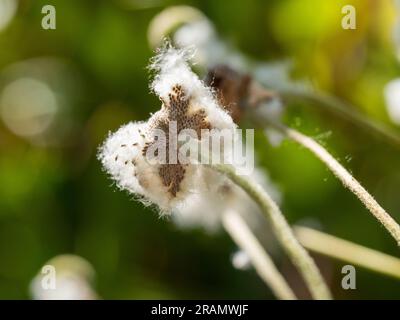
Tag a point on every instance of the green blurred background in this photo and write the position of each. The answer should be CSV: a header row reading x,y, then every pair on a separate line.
x,y
91,74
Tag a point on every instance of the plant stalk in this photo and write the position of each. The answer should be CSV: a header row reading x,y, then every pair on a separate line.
x,y
241,234
298,255
347,251
344,110
343,175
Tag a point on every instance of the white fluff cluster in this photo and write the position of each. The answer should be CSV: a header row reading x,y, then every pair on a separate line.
x,y
121,148
187,101
121,156
213,51
172,68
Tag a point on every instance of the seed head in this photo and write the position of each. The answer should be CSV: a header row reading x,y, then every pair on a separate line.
x,y
188,104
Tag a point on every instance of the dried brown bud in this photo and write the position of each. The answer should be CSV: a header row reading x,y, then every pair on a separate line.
x,y
237,92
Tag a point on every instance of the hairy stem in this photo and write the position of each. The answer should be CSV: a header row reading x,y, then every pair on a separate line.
x,y
242,235
298,255
347,251
343,109
343,175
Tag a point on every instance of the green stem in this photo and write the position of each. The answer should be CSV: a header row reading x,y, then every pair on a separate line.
x,y
343,175
298,255
347,251
241,234
343,109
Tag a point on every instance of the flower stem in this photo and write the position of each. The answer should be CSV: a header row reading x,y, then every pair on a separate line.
x,y
343,109
344,250
298,255
343,175
242,235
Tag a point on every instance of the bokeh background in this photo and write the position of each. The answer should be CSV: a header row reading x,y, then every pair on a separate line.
x,y
62,90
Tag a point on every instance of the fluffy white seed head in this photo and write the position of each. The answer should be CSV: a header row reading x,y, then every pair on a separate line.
x,y
189,104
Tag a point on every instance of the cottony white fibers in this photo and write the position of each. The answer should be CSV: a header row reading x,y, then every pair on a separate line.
x,y
172,67
118,152
121,156
187,103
